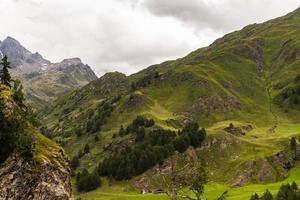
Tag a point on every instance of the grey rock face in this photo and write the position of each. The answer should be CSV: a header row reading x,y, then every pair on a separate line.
x,y
20,58
20,179
38,74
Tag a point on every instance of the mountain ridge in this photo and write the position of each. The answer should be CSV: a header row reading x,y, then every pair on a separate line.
x,y
243,89
34,71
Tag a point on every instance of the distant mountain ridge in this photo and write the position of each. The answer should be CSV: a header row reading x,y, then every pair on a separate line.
x,y
43,80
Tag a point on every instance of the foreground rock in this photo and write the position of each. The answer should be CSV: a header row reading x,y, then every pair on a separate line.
x,y
21,179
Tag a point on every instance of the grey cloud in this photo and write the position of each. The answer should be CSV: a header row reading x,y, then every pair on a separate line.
x,y
220,15
127,35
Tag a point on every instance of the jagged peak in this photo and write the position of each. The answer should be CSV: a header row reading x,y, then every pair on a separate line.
x,y
9,39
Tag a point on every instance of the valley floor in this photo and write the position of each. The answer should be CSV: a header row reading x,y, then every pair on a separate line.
x,y
212,191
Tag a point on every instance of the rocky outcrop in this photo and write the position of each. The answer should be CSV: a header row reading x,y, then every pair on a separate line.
x,y
264,170
21,179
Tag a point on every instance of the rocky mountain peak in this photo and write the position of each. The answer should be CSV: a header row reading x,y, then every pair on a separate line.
x,y
72,60
14,50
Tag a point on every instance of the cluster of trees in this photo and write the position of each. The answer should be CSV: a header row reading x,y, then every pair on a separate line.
x,y
145,81
86,181
149,151
14,135
137,127
75,161
97,119
191,135
291,95
286,192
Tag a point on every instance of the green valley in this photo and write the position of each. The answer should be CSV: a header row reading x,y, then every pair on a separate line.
x,y
243,89
222,122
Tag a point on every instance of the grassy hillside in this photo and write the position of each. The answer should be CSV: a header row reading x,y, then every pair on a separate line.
x,y
248,78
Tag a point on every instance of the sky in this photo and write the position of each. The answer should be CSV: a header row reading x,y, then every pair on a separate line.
x,y
128,35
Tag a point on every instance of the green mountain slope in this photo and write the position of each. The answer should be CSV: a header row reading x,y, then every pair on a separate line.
x,y
248,78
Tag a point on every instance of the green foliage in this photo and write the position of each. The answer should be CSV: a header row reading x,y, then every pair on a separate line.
x,y
98,119
223,196
149,150
267,196
15,120
18,94
190,135
96,138
293,145
86,149
137,127
286,192
145,81
254,197
4,73
14,136
122,131
86,181
75,162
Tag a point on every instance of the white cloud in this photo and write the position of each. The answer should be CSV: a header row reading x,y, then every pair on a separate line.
x,y
127,35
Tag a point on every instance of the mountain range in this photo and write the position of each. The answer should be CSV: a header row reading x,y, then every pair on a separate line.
x,y
232,107
43,80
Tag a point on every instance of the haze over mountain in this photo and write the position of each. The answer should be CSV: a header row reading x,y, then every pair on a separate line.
x,y
43,80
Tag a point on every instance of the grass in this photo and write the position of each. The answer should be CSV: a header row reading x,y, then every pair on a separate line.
x,y
227,69
212,191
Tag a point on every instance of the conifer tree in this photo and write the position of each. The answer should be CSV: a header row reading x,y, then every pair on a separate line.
x,y
293,145
4,73
267,196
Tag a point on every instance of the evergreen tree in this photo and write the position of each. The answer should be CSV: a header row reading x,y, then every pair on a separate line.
x,y
96,138
254,197
86,149
18,95
86,181
75,162
293,146
294,186
122,131
4,73
267,196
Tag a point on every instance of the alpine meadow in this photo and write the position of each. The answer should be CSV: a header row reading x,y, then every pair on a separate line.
x,y
222,122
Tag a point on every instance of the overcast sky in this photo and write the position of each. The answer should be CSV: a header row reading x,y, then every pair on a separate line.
x,y
128,35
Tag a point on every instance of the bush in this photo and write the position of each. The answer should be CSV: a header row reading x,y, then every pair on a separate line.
x,y
86,149
14,136
96,138
86,181
75,162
